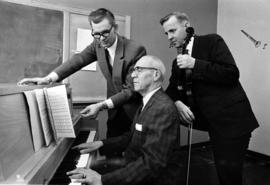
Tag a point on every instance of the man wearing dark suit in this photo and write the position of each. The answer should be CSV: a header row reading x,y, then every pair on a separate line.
x,y
151,148
220,104
116,57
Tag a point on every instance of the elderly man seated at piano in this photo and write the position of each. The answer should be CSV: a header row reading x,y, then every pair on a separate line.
x,y
151,148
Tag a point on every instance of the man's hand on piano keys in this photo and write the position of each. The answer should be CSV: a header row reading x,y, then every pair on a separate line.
x,y
88,147
86,176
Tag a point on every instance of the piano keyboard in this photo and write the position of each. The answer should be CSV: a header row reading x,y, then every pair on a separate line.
x,y
85,159
74,159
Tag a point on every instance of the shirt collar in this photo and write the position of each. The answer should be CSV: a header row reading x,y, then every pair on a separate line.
x,y
147,97
112,48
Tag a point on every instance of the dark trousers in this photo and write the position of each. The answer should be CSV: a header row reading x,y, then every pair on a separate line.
x,y
118,122
229,156
108,165
169,176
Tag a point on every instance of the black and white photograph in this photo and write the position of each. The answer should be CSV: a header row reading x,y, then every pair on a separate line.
x,y
134,92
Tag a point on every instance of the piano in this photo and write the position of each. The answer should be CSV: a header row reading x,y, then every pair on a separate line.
x,y
19,163
74,159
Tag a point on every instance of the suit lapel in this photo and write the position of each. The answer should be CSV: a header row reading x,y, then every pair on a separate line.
x,y
150,102
118,64
195,46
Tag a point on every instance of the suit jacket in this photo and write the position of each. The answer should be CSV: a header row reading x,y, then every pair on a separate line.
x,y
119,83
150,152
221,104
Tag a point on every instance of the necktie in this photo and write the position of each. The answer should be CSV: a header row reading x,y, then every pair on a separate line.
x,y
139,110
107,55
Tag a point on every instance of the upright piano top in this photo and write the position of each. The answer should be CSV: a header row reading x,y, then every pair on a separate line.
x,y
12,88
18,160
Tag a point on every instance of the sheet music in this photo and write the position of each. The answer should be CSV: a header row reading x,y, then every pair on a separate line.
x,y
44,117
59,109
35,122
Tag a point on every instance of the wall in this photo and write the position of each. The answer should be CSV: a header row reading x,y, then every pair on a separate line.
x,y
31,41
145,16
254,63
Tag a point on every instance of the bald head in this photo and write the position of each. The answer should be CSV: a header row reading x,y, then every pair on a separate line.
x,y
153,62
148,74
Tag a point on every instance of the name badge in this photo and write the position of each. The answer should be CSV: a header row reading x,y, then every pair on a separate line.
x,y
180,87
138,127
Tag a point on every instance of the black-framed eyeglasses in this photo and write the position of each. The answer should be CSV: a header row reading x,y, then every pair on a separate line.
x,y
104,33
139,69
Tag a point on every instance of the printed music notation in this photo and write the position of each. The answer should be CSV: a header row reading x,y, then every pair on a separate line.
x,y
256,43
59,112
50,116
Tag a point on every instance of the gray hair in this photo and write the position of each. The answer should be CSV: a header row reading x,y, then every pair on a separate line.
x,y
156,63
181,17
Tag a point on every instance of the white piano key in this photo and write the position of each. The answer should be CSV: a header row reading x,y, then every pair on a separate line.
x,y
82,162
74,183
85,159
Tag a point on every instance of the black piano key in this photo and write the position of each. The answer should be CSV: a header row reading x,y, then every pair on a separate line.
x,y
69,162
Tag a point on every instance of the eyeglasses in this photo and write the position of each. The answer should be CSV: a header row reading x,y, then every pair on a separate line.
x,y
104,33
139,69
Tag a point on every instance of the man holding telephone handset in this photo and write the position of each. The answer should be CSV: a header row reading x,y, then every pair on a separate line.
x,y
219,103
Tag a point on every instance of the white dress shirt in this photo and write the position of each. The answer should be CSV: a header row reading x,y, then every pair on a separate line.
x,y
112,50
190,45
147,97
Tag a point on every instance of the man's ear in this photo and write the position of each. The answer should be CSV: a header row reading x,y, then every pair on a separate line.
x,y
115,27
157,75
187,24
